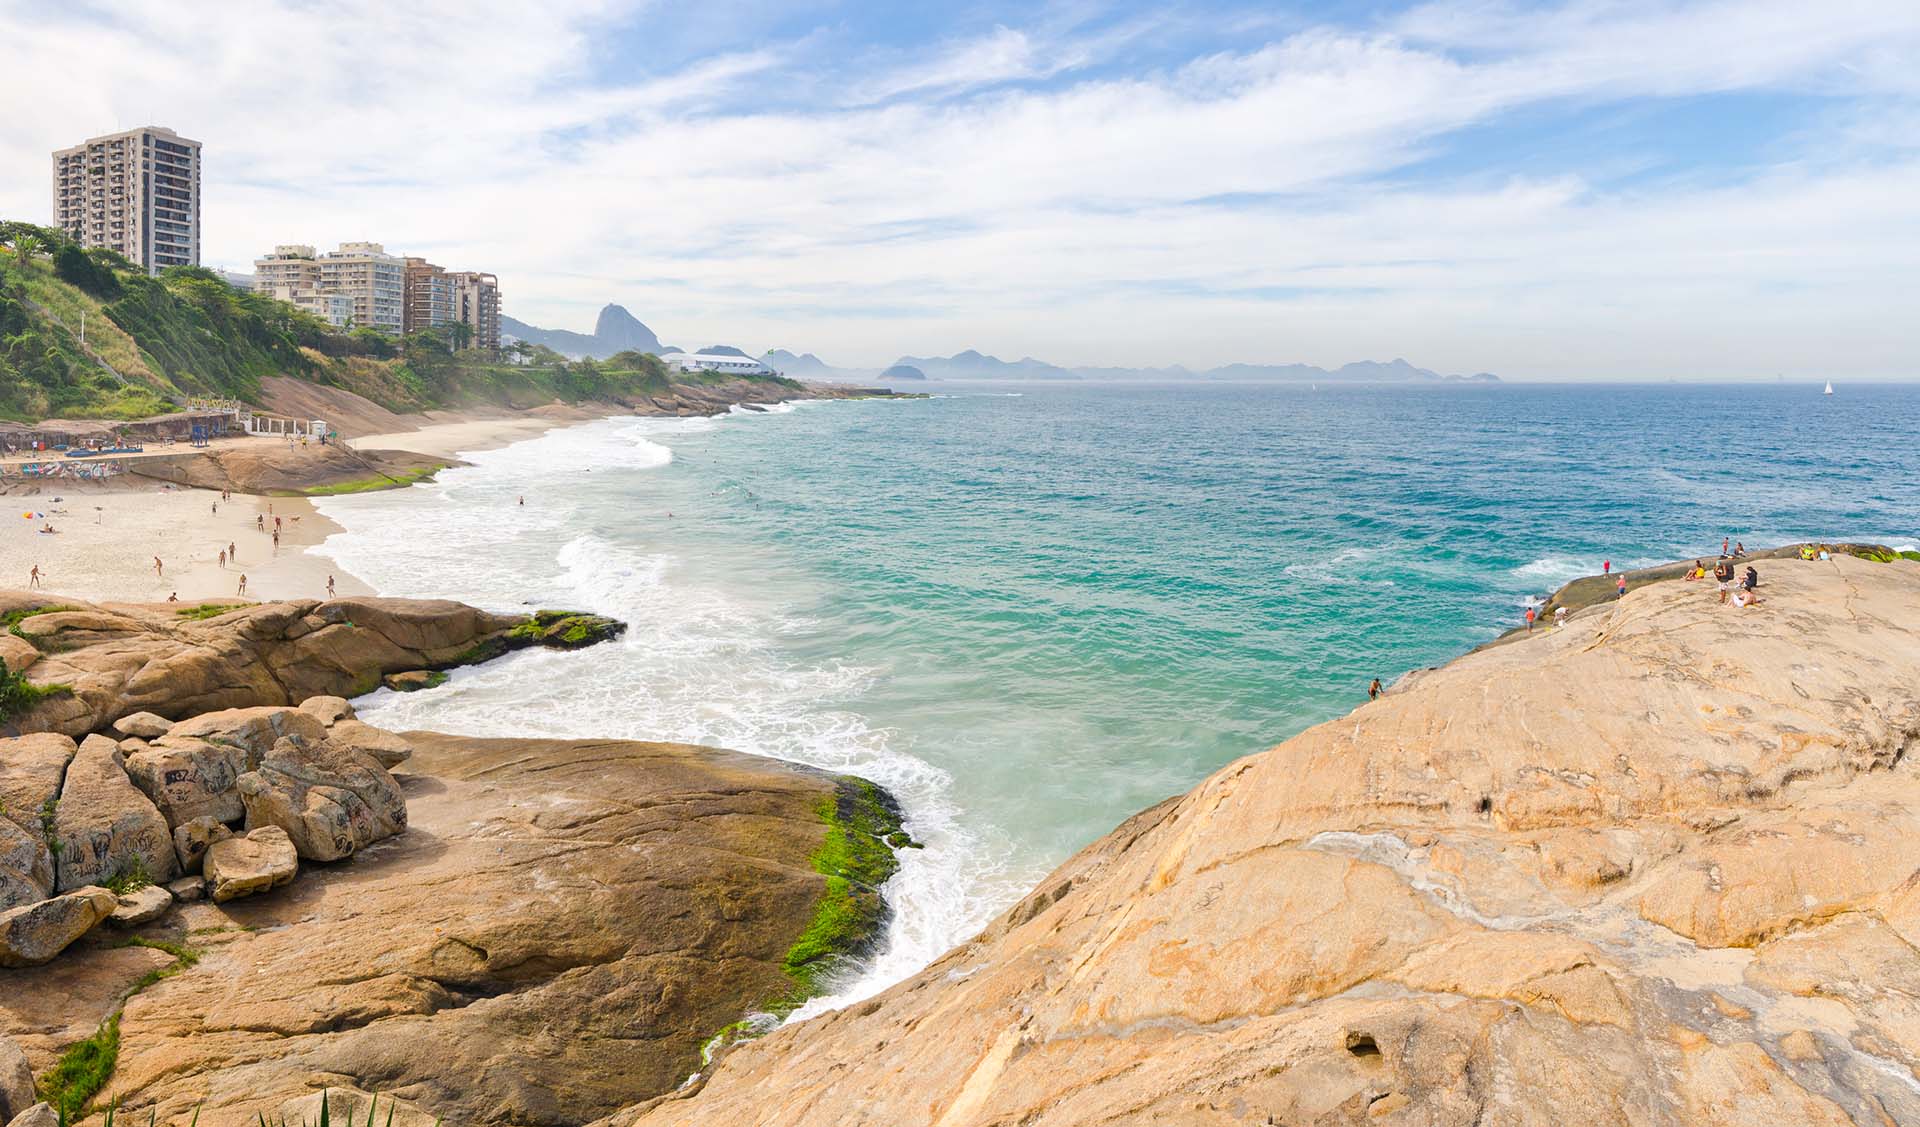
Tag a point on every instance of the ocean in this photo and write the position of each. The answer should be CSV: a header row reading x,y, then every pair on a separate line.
x,y
1031,611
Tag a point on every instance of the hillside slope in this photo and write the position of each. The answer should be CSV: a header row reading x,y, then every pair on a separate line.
x,y
152,344
1659,866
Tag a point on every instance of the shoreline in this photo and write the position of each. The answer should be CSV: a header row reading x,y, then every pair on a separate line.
x,y
108,538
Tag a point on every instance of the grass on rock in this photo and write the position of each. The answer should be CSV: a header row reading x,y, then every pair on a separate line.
x,y
82,1071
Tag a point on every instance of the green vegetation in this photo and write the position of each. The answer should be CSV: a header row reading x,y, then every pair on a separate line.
x,y
86,1066
856,859
1884,556
154,342
132,877
370,484
19,696
82,1071
208,610
566,629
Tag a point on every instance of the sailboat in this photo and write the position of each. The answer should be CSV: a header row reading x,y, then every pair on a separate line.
x,y
1829,390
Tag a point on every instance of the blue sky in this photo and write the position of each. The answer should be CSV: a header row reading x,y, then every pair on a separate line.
x,y
1591,189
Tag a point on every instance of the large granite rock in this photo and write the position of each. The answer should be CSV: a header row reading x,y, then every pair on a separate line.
x,y
122,660
16,1081
35,933
26,866
39,1115
191,840
1660,866
330,799
105,828
564,925
383,747
31,771
243,866
140,906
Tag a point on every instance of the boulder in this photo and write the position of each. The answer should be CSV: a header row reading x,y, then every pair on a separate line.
x,y
142,725
252,730
327,710
378,744
105,828
26,866
16,1081
192,839
243,866
39,1115
17,654
189,779
142,905
413,680
34,934
330,800
31,768
188,890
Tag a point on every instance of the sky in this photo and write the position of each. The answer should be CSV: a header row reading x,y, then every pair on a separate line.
x,y
1595,189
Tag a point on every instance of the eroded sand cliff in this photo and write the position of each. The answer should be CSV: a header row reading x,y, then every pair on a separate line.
x,y
1658,866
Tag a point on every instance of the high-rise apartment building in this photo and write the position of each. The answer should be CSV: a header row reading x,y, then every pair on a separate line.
x,y
476,302
136,192
429,302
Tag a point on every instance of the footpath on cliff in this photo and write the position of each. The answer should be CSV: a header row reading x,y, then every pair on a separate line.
x,y
1660,865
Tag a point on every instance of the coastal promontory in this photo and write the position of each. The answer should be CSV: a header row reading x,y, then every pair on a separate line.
x,y
1660,865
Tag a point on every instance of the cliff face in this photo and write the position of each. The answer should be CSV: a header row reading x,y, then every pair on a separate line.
x,y
1658,866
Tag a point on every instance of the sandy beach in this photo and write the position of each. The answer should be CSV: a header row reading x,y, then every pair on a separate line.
x,y
107,540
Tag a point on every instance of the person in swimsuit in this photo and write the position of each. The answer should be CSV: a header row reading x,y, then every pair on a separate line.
x,y
1374,690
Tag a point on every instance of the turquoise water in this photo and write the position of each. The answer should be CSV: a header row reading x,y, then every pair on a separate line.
x,y
1033,614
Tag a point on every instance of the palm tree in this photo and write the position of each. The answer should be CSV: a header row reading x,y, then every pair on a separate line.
x,y
25,246
460,333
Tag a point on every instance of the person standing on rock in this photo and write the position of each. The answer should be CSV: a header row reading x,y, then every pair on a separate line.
x,y
1374,690
1724,541
1530,620
1621,583
1606,567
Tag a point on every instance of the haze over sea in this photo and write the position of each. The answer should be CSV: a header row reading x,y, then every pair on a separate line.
x,y
1032,611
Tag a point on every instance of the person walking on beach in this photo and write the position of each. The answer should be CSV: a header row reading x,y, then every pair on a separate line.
x,y
157,569
1374,690
329,586
243,583
260,522
233,553
216,508
33,577
223,559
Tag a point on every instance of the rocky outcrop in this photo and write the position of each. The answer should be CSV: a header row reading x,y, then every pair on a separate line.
x,y
564,925
117,661
16,1081
104,829
31,770
140,906
242,866
192,839
1659,866
35,933
330,799
39,1115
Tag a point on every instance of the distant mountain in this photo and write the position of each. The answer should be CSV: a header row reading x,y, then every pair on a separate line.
x,y
616,331
972,365
903,372
725,350
803,366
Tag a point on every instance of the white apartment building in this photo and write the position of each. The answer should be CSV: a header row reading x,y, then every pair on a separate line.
x,y
374,279
136,192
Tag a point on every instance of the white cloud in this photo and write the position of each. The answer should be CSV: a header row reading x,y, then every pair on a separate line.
x,y
1247,205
